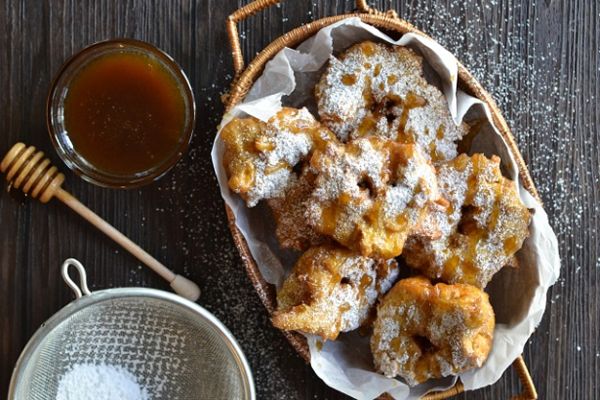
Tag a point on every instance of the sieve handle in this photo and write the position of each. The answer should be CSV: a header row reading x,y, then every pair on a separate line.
x,y
79,292
258,5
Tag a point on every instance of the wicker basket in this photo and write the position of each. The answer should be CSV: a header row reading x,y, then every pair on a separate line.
x,y
243,81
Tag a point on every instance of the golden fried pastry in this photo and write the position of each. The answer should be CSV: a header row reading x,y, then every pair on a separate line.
x,y
375,89
292,229
331,290
424,331
484,226
259,156
370,194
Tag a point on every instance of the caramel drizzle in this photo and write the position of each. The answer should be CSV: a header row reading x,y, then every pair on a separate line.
x,y
411,102
475,234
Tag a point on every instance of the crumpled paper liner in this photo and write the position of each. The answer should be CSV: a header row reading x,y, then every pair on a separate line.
x,y
517,295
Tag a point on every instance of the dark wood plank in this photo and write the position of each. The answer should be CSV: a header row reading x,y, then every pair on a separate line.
x,y
539,60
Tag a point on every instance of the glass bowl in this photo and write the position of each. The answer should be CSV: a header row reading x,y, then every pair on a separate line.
x,y
57,126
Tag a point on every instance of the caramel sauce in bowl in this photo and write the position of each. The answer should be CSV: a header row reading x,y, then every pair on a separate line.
x,y
121,113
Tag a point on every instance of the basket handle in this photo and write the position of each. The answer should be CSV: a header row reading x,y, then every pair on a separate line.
x,y
529,391
528,388
258,5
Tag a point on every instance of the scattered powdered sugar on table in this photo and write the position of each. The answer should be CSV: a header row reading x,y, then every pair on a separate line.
x,y
100,382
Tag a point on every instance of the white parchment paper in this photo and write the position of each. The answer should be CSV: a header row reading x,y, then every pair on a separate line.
x,y
518,295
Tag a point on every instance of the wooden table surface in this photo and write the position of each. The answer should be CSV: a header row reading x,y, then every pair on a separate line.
x,y
538,58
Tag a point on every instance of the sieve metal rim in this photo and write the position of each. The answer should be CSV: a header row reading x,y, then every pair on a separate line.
x,y
89,298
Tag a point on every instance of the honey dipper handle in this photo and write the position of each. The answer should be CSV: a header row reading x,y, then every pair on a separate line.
x,y
182,286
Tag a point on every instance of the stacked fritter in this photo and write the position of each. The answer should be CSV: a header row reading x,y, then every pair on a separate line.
x,y
379,178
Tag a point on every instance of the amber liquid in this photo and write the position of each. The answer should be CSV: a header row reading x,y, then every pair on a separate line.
x,y
124,113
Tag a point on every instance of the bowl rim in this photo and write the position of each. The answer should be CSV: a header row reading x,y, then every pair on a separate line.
x,y
89,172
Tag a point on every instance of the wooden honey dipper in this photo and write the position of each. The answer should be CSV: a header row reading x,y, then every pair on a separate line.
x,y
32,173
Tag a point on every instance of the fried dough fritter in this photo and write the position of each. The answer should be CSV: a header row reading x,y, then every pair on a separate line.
x,y
424,331
260,156
331,290
376,89
371,193
484,226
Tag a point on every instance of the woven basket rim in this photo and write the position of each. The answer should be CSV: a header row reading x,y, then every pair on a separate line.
x,y
239,89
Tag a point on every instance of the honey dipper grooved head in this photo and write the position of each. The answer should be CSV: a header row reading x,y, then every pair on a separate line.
x,y
31,172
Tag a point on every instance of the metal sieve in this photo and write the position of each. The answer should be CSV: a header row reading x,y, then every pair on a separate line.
x,y
175,348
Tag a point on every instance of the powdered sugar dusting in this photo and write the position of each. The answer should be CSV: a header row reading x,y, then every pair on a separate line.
x,y
332,290
415,182
339,170
358,298
287,147
376,90
482,228
424,331
269,185
293,230
366,188
283,141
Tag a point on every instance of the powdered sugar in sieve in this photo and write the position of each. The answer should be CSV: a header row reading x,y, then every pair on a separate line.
x,y
99,382
168,346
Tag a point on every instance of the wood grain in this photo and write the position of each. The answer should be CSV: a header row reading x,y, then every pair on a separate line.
x,y
538,58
